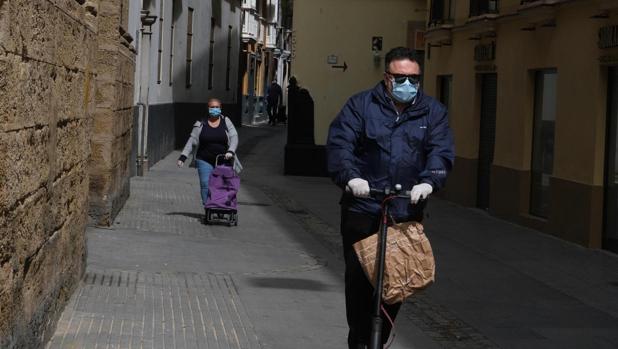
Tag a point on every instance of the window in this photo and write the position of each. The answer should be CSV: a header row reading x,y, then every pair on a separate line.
x,y
189,47
228,58
160,50
211,58
445,88
259,8
543,141
173,22
481,7
442,11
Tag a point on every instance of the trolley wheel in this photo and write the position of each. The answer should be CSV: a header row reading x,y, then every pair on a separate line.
x,y
206,217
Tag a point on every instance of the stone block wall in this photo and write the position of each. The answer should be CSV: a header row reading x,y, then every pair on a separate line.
x,y
113,117
66,71
47,82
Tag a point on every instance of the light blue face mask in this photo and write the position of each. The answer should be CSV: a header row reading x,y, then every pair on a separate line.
x,y
214,111
404,92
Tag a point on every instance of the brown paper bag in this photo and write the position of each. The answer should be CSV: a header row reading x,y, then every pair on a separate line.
x,y
409,265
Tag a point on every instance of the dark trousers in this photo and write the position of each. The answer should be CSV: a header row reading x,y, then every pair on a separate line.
x,y
272,110
358,289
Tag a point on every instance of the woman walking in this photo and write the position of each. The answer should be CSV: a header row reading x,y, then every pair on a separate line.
x,y
210,137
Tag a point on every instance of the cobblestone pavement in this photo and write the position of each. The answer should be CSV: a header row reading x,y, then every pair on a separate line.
x,y
498,284
436,321
122,309
158,278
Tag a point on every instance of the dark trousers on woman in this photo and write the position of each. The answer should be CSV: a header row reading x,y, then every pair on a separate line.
x,y
358,290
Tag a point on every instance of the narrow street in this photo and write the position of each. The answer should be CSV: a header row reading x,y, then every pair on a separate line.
x,y
102,239
159,278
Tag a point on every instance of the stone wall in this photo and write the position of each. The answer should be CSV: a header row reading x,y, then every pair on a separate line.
x,y
56,84
113,118
47,81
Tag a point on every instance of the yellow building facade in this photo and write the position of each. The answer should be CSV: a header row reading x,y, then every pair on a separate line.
x,y
333,52
531,88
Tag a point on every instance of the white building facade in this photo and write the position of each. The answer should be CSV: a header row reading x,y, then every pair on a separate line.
x,y
266,40
188,52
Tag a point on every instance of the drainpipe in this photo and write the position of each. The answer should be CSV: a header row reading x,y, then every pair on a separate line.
x,y
140,152
143,91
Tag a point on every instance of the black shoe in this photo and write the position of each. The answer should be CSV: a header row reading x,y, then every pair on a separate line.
x,y
354,343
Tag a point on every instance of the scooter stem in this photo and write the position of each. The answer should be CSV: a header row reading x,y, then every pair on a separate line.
x,y
376,323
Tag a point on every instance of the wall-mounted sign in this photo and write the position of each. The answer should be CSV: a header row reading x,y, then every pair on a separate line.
x,y
343,67
608,36
376,43
485,52
331,59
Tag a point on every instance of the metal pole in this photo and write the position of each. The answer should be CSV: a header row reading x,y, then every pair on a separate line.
x,y
143,90
376,321
141,107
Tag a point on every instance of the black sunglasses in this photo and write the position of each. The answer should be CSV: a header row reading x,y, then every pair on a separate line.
x,y
401,78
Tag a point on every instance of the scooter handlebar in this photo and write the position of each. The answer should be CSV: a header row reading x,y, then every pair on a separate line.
x,y
397,192
390,192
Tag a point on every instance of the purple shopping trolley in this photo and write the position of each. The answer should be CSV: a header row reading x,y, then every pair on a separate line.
x,y
223,185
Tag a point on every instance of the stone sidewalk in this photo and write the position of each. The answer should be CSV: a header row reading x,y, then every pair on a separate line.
x,y
158,278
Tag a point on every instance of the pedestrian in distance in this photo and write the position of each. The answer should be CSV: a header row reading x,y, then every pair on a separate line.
x,y
213,135
292,104
293,86
273,98
390,134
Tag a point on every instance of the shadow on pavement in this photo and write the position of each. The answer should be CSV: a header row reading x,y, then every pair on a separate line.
x,y
288,283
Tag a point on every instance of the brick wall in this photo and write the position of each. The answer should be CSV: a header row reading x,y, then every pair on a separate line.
x,y
55,91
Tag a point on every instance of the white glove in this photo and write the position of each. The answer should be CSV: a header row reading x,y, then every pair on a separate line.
x,y
228,155
420,192
359,187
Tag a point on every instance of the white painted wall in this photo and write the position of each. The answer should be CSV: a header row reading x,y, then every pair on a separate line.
x,y
163,93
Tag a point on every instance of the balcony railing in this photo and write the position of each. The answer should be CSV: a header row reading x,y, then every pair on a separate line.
x,y
483,7
250,27
271,36
442,12
285,41
249,5
261,32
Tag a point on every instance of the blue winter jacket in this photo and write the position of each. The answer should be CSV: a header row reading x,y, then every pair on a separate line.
x,y
369,139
